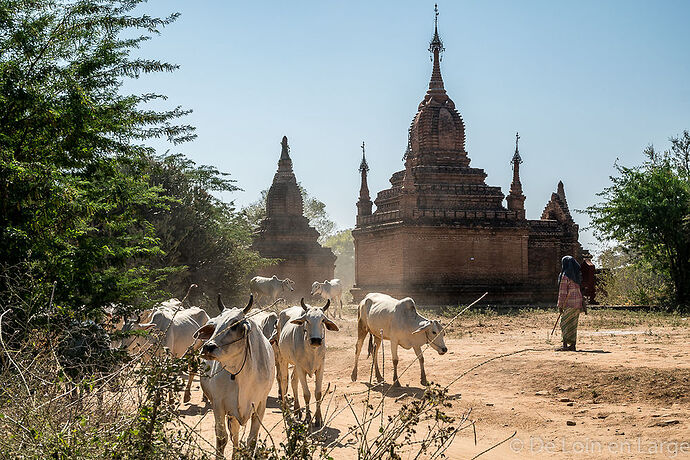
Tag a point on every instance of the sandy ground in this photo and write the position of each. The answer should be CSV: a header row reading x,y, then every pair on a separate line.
x,y
627,389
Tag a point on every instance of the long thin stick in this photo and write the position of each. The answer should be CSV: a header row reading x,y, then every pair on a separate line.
x,y
495,445
554,324
565,302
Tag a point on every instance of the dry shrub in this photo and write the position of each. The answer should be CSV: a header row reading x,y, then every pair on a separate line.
x,y
65,395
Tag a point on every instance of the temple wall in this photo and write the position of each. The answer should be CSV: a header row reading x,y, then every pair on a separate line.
x,y
434,264
436,255
444,264
379,258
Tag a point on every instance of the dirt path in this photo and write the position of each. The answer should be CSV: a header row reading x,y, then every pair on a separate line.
x,y
627,390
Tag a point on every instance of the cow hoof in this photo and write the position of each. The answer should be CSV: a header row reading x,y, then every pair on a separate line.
x,y
354,375
424,383
396,384
187,398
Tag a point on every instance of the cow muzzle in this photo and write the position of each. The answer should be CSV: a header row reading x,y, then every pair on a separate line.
x,y
442,350
207,350
316,341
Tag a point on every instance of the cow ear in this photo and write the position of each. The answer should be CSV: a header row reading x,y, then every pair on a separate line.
x,y
274,337
328,304
304,306
249,305
299,320
330,325
408,304
424,325
221,305
145,326
205,332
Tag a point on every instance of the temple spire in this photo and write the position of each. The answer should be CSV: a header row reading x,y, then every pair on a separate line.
x,y
285,162
363,166
516,156
436,48
516,199
364,203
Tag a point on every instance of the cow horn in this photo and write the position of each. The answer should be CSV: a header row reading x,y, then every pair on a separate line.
x,y
221,305
249,305
328,304
304,306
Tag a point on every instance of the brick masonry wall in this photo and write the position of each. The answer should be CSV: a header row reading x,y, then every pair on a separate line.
x,y
434,265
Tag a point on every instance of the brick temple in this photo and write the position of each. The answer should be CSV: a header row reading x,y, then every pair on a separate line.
x,y
440,234
285,233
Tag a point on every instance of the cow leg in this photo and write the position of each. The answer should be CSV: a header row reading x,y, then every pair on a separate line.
x,y
257,416
340,301
295,389
283,374
279,373
188,388
221,433
234,427
361,335
394,355
377,345
420,357
302,375
318,419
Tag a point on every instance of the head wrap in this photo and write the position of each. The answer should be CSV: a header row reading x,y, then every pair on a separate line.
x,y
571,269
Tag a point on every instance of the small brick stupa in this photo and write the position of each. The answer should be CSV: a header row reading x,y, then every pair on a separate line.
x,y
286,234
440,234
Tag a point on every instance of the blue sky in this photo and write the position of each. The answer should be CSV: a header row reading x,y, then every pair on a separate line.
x,y
583,82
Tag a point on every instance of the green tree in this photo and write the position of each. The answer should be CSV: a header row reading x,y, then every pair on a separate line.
x,y
314,211
73,154
628,279
646,211
199,233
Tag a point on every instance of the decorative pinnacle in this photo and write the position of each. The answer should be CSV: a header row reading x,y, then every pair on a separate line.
x,y
516,157
436,43
436,89
285,149
363,166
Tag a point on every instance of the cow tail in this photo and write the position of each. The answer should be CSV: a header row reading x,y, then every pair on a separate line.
x,y
370,348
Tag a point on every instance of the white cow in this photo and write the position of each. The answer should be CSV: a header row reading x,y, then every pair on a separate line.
x,y
266,320
241,373
175,329
330,290
302,342
174,304
402,325
171,305
269,288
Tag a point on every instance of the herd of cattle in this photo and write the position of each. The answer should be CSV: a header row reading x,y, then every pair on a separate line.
x,y
244,349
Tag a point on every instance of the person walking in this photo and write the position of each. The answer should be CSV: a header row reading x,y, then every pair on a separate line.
x,y
570,302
